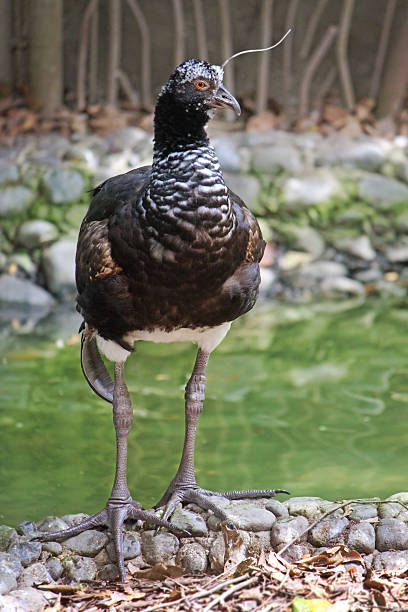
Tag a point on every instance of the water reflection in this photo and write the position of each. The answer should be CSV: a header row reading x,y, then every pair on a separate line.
x,y
311,398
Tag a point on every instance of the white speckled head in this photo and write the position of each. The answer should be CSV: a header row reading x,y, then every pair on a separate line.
x,y
193,69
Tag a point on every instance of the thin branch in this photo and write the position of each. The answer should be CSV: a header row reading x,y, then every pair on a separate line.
x,y
382,47
311,67
82,55
114,50
342,58
180,53
311,28
146,63
127,86
326,85
93,57
226,37
287,57
262,88
200,29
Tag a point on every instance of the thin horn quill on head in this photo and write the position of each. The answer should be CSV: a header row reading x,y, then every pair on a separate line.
x,y
256,50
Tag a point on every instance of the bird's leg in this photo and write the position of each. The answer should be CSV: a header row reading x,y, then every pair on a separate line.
x,y
183,487
120,505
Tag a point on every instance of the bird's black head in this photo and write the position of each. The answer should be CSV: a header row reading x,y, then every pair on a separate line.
x,y
189,99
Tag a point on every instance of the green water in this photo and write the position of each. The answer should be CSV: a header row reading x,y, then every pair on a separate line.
x,y
313,399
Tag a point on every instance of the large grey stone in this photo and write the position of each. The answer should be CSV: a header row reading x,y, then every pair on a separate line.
x,y
366,155
159,548
362,512
26,552
358,247
189,521
341,286
397,254
8,580
392,534
26,599
361,537
27,528
245,186
36,573
79,517
80,569
131,546
381,191
63,184
55,548
127,138
11,563
36,233
284,532
392,561
318,270
59,267
21,291
280,158
309,507
248,516
328,531
277,508
192,557
7,536
299,192
51,524
304,238
14,200
54,568
8,171
88,543
228,154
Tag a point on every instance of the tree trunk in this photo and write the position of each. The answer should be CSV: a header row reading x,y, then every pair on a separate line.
x,y
395,79
5,46
45,54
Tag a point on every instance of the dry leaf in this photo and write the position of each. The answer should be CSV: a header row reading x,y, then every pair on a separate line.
x,y
160,571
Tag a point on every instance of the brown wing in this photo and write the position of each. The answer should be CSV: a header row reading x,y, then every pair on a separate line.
x,y
256,244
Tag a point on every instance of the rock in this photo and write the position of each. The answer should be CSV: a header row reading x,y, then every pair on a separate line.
x,y
228,154
10,563
192,557
283,532
362,512
8,581
108,572
309,507
246,515
296,552
7,536
59,267
23,261
217,553
36,233
361,537
397,254
268,281
401,222
159,548
340,286
401,171
305,238
83,154
51,524
27,528
80,569
392,533
55,548
20,291
245,186
258,541
14,200
305,191
8,171
365,155
318,270
26,599
53,143
54,568
74,519
278,508
273,160
358,247
381,191
328,531
26,552
75,214
127,138
392,561
189,521
131,546
88,543
295,259
63,185
36,573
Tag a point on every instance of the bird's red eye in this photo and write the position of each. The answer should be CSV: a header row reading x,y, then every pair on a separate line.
x,y
201,84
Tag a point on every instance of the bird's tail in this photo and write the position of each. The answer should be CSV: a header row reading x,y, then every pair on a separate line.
x,y
93,367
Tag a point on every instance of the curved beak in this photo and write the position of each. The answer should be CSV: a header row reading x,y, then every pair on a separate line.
x,y
223,98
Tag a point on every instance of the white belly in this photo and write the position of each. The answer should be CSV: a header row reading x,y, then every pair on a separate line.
x,y
207,338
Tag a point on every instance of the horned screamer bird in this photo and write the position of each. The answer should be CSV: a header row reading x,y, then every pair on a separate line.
x,y
165,253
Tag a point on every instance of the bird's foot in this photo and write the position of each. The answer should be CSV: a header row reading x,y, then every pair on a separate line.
x,y
191,493
115,513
